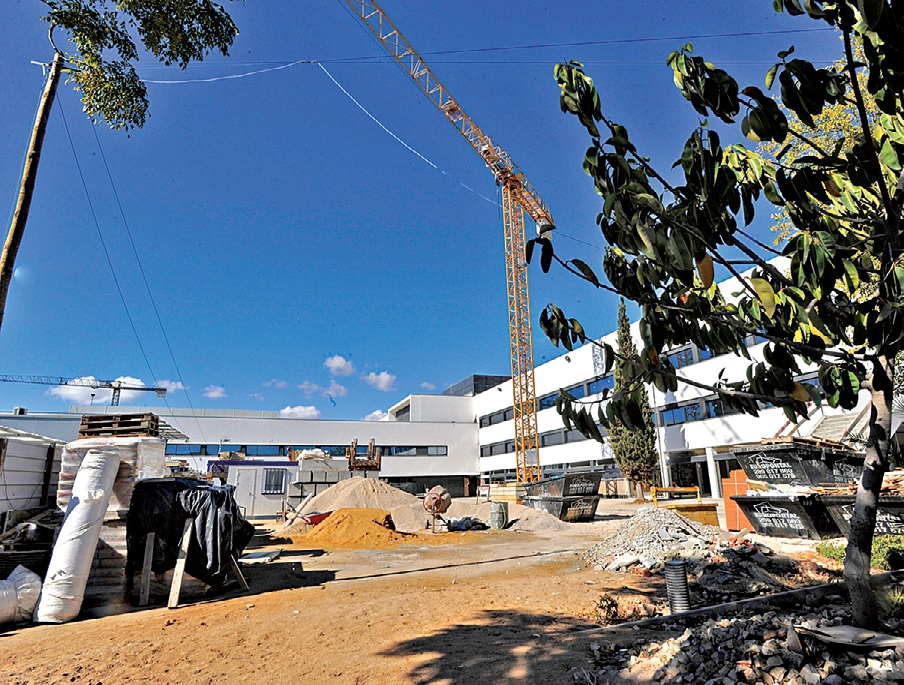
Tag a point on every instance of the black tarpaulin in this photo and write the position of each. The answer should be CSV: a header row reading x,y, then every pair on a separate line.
x,y
161,506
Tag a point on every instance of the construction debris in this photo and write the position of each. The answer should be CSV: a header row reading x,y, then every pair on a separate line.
x,y
747,648
649,539
719,567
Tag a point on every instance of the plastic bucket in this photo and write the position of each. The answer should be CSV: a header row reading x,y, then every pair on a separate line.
x,y
676,586
498,515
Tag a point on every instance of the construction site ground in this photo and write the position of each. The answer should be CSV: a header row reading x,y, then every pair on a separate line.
x,y
476,607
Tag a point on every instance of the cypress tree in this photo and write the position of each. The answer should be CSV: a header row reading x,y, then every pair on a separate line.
x,y
634,448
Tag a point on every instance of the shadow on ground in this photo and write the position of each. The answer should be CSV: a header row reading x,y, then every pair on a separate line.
x,y
501,647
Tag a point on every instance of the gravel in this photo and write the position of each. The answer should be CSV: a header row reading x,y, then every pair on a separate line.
x,y
746,648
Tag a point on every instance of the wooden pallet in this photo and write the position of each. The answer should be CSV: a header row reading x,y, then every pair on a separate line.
x,y
119,426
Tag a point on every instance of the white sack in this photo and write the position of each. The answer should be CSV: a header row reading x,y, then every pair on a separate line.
x,y
8,602
28,590
70,563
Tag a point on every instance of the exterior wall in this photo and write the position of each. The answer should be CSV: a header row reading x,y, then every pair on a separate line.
x,y
22,474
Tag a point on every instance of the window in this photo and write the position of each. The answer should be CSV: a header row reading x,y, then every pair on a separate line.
x,y
508,414
574,436
510,446
547,401
674,415
183,450
274,482
714,408
704,353
681,358
437,451
404,451
601,384
484,421
485,451
262,450
577,391
554,438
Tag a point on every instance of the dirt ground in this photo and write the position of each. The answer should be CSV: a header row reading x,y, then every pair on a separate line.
x,y
475,607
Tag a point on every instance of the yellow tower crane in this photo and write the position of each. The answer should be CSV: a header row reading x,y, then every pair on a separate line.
x,y
518,197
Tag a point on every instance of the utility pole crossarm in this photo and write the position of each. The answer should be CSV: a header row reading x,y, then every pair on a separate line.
x,y
498,160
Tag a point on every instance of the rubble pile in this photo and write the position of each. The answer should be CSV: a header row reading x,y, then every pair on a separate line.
x,y
719,567
750,648
650,538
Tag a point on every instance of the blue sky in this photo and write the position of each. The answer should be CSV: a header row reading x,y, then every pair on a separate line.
x,y
299,257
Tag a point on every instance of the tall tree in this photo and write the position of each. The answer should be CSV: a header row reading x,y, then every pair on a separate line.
x,y
668,231
634,447
102,34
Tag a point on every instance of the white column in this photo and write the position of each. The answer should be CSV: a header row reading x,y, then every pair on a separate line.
x,y
714,480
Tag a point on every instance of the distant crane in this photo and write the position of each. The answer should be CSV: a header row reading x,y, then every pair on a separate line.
x,y
116,386
518,196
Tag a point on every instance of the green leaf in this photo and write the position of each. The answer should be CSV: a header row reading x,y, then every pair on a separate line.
x,y
871,11
889,157
586,271
546,255
770,75
765,294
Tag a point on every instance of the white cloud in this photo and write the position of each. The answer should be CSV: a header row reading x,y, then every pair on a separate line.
x,y
377,415
335,390
300,412
383,381
171,386
79,391
214,392
256,396
339,366
309,388
427,385
276,383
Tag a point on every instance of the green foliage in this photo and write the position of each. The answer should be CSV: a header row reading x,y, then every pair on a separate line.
x,y
668,231
604,610
887,552
634,447
104,36
891,601
666,238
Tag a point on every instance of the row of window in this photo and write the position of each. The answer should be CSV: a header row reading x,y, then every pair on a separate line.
x,y
547,439
684,356
578,391
336,451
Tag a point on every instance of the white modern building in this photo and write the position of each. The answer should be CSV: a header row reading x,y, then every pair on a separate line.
x,y
467,434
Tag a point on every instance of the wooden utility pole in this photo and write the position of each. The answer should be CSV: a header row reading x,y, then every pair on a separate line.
x,y
27,186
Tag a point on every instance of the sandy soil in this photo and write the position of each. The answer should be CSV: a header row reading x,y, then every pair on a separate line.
x,y
475,607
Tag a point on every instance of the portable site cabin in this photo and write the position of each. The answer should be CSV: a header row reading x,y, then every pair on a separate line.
x,y
29,471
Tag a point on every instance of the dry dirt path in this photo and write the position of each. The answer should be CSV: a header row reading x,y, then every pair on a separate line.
x,y
483,607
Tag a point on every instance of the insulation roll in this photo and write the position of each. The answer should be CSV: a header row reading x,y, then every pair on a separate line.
x,y
70,563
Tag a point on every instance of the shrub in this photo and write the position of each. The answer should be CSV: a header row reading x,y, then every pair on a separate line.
x,y
888,551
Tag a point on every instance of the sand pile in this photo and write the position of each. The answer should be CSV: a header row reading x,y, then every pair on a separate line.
x,y
356,528
412,517
363,493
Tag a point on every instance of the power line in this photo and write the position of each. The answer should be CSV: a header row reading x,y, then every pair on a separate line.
x,y
147,286
278,64
103,243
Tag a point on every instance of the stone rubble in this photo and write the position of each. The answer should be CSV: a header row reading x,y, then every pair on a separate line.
x,y
746,648
720,567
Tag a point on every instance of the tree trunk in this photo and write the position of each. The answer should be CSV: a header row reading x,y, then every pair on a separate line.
x,y
27,185
857,560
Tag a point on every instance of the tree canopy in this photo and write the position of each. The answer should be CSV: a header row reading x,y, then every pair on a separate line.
x,y
103,33
633,447
669,231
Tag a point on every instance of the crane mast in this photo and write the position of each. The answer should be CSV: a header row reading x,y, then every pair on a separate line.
x,y
518,197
